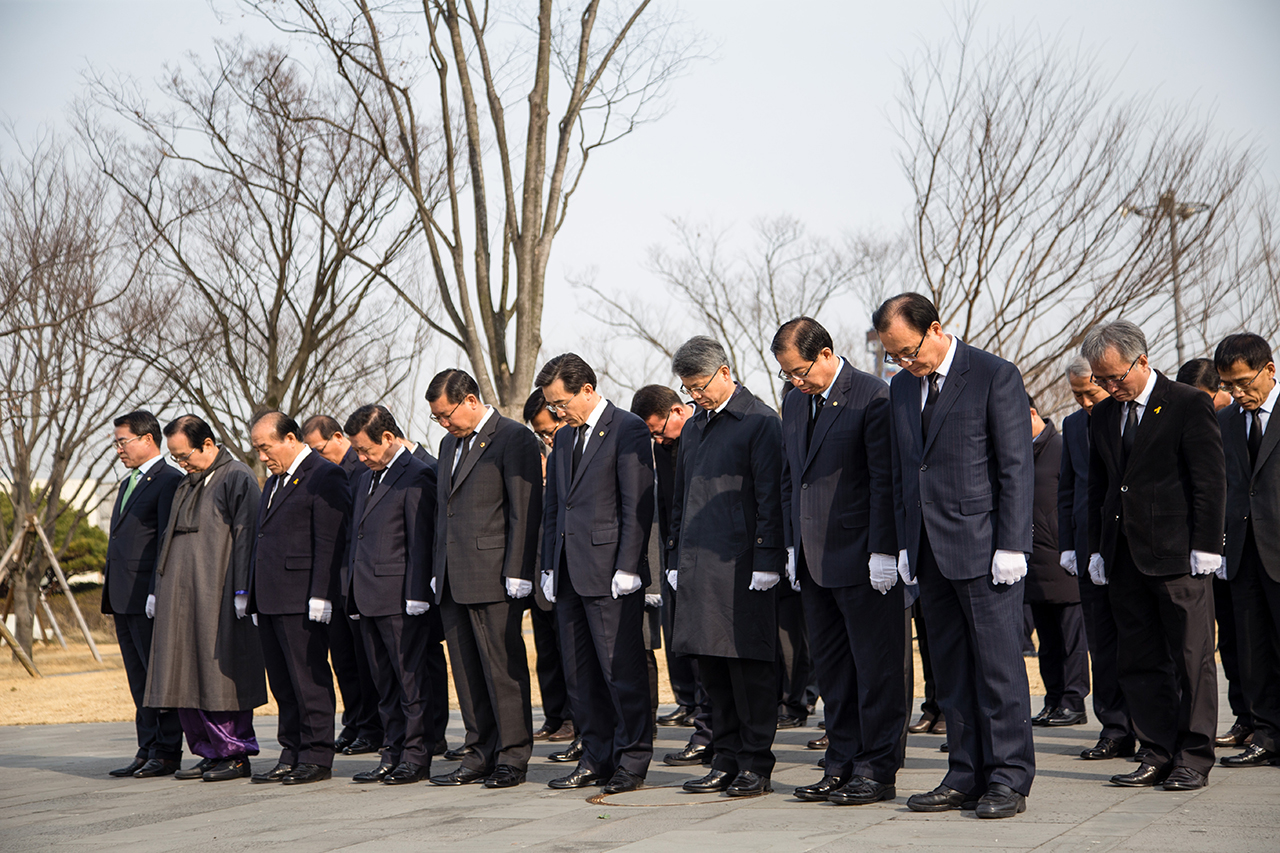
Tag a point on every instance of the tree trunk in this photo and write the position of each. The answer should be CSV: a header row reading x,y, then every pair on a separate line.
x,y
26,597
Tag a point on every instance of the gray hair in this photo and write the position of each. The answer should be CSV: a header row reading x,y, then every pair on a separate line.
x,y
1126,338
698,356
1079,368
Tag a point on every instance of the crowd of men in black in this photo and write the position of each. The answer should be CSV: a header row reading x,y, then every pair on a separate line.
x,y
752,542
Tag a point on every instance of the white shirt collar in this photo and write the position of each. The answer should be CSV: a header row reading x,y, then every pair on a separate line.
x,y
594,417
826,392
399,449
484,419
944,369
1269,405
148,465
297,460
1142,398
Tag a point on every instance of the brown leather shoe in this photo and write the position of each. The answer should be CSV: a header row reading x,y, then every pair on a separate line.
x,y
1234,736
939,726
817,743
923,724
565,732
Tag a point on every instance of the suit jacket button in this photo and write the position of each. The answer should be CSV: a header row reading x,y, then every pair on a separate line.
x,y
568,506
924,467
759,541
1124,488
361,536
804,485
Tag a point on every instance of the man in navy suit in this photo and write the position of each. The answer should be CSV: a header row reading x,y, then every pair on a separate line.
x,y
294,573
139,516
838,525
963,481
596,517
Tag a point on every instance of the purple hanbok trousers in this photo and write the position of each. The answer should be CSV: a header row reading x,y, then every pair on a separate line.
x,y
219,734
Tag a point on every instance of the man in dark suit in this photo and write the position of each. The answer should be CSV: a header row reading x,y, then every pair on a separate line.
x,y
963,484
726,557
294,573
489,505
597,515
1247,369
1157,496
361,724
1116,739
138,518
837,502
387,588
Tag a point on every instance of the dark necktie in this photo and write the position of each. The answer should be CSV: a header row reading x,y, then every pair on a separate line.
x,y
275,488
1255,435
577,448
814,412
377,478
1130,432
930,403
462,457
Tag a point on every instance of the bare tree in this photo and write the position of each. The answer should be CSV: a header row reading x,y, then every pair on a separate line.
x,y
445,130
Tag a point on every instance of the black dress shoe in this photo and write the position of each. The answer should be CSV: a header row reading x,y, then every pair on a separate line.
x,y
861,791
1253,756
304,773
275,774
694,753
822,724
407,773
1184,779
682,716
789,721
196,772
341,742
822,762
941,799
748,784
1234,736
442,746
817,743
1146,776
572,753
134,766
1108,748
505,776
622,781
820,790
945,747
1065,717
459,753
360,746
713,783
228,769
157,767
581,777
461,776
1045,713
543,732
1001,801
377,774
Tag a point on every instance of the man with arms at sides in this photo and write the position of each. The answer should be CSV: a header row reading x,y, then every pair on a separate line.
x,y
294,573
140,515
386,586
361,725
963,484
206,659
1157,497
489,504
726,556
1116,739
837,499
1247,369
597,515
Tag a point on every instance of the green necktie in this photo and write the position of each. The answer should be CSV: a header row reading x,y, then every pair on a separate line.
x,y
128,490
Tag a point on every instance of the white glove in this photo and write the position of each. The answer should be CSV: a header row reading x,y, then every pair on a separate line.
x,y
549,586
1008,566
254,617
151,607
672,574
904,568
1097,571
1068,561
1204,563
319,610
433,585
764,581
652,599
1221,571
518,588
884,572
791,569
416,608
624,583
354,617
242,605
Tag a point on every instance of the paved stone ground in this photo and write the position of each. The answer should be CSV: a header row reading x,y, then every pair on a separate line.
x,y
55,796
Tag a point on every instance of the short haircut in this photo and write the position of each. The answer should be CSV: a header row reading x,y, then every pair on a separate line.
x,y
1252,349
280,422
1079,368
373,421
326,425
572,371
195,430
698,356
140,422
1200,373
1126,338
537,402
915,309
1031,401
806,335
454,384
653,400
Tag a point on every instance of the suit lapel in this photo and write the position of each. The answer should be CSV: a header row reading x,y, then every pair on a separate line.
x,y
1269,440
1148,424
393,474
143,482
288,486
952,385
837,397
483,438
118,515
597,434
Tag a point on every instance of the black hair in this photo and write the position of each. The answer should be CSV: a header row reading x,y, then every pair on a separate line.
x,y
454,384
537,402
915,310
1252,349
282,423
806,335
653,400
373,421
326,425
193,428
570,369
1200,373
140,422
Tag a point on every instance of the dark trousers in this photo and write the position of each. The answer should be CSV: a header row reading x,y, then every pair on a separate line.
x,y
1109,705
1256,597
159,731
975,641
1224,613
397,649
795,667
908,682
438,675
700,699
682,670
491,677
1064,654
605,666
550,666
744,712
930,703
350,661
296,653
858,641
1166,663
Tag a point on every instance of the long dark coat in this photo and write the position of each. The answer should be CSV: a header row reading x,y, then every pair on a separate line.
x,y
726,522
1047,581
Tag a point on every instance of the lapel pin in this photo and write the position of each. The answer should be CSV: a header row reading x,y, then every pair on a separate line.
x,y
1157,411
834,403
602,433
482,444
295,481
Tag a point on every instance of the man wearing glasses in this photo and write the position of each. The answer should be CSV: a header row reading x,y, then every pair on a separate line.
x,y
963,481
1157,498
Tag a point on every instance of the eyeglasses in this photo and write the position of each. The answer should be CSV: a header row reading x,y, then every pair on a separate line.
x,y
439,418
564,405
1104,381
697,392
792,377
546,434
122,443
661,432
908,359
181,458
1234,387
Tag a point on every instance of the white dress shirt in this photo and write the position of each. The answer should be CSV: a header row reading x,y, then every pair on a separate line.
x,y
942,371
1140,401
457,454
592,420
